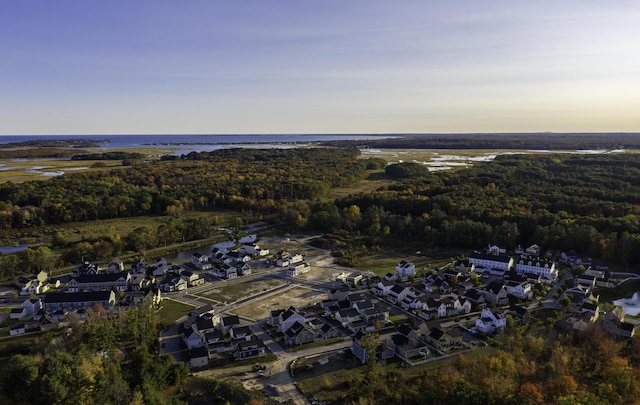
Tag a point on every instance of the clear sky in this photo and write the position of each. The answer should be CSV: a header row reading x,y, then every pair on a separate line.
x,y
325,66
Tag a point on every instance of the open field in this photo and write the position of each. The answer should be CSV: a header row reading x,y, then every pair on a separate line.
x,y
299,297
79,231
233,292
172,310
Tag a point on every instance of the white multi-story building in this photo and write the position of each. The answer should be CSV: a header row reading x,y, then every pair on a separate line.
x,y
542,267
491,261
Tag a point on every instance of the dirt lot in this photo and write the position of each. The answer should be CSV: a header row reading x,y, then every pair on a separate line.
x,y
299,297
233,292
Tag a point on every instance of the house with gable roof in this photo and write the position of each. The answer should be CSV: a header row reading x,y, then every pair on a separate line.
x,y
201,261
398,292
521,290
298,334
115,266
288,318
490,321
193,338
249,348
496,293
404,270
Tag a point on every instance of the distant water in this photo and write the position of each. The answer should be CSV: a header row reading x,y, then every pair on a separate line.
x,y
192,142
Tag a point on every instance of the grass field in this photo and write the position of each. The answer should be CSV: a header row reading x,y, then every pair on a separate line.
x,y
171,311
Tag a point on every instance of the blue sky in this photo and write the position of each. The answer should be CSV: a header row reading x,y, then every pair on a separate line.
x,y
330,66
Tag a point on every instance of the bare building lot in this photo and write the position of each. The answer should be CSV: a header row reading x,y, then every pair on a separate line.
x,y
299,297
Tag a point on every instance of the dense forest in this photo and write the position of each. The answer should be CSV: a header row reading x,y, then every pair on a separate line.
x,y
576,368
264,180
586,203
109,360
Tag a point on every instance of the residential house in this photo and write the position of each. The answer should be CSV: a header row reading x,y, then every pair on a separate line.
x,y
405,269
30,307
433,283
628,328
496,293
354,279
407,348
298,334
478,301
192,279
464,266
247,349
385,349
520,290
298,269
225,271
398,292
202,311
253,249
172,282
200,261
439,339
193,338
338,293
274,317
207,324
243,269
115,266
17,329
198,357
328,332
288,318
347,316
490,321
240,332
238,257
228,322
216,336
86,268
462,305
451,275
375,316
382,288
533,250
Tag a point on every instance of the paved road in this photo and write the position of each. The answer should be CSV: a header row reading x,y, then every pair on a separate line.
x,y
277,373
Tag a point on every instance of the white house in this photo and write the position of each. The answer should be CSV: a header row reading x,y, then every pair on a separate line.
x,y
200,261
298,269
405,269
398,293
193,338
288,318
489,321
522,290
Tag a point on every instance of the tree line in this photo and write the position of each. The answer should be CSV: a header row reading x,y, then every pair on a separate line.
x,y
263,180
574,368
585,203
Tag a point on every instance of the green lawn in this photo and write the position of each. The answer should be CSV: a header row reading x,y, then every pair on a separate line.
x,y
171,311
